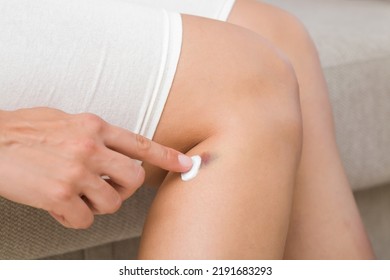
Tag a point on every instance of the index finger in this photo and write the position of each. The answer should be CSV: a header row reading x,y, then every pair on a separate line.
x,y
139,147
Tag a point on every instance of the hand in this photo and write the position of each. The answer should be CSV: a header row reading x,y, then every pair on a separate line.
x,y
55,161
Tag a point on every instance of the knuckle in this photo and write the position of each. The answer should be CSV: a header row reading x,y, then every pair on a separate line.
x,y
140,177
134,182
112,200
86,146
62,193
92,122
143,143
165,155
76,173
127,182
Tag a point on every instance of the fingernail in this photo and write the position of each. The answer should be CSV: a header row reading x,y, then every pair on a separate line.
x,y
185,161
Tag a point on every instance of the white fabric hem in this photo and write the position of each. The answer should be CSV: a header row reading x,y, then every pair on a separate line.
x,y
170,57
225,10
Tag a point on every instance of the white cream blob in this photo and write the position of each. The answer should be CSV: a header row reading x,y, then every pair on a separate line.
x,y
196,162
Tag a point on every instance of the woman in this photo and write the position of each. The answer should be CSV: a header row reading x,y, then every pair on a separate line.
x,y
248,95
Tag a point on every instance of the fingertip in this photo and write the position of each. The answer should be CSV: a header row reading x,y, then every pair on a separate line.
x,y
185,162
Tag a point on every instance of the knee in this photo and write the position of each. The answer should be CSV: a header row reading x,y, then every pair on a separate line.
x,y
231,79
263,95
290,33
276,24
271,111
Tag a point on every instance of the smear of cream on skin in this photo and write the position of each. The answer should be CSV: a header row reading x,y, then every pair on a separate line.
x,y
196,163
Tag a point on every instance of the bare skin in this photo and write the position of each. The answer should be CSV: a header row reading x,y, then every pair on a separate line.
x,y
54,161
325,221
240,106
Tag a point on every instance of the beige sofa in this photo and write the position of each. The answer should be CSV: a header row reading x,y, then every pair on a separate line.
x,y
353,39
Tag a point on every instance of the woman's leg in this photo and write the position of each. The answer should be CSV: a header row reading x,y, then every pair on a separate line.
x,y
235,102
325,221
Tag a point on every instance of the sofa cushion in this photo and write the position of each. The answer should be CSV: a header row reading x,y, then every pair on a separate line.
x,y
29,233
353,40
